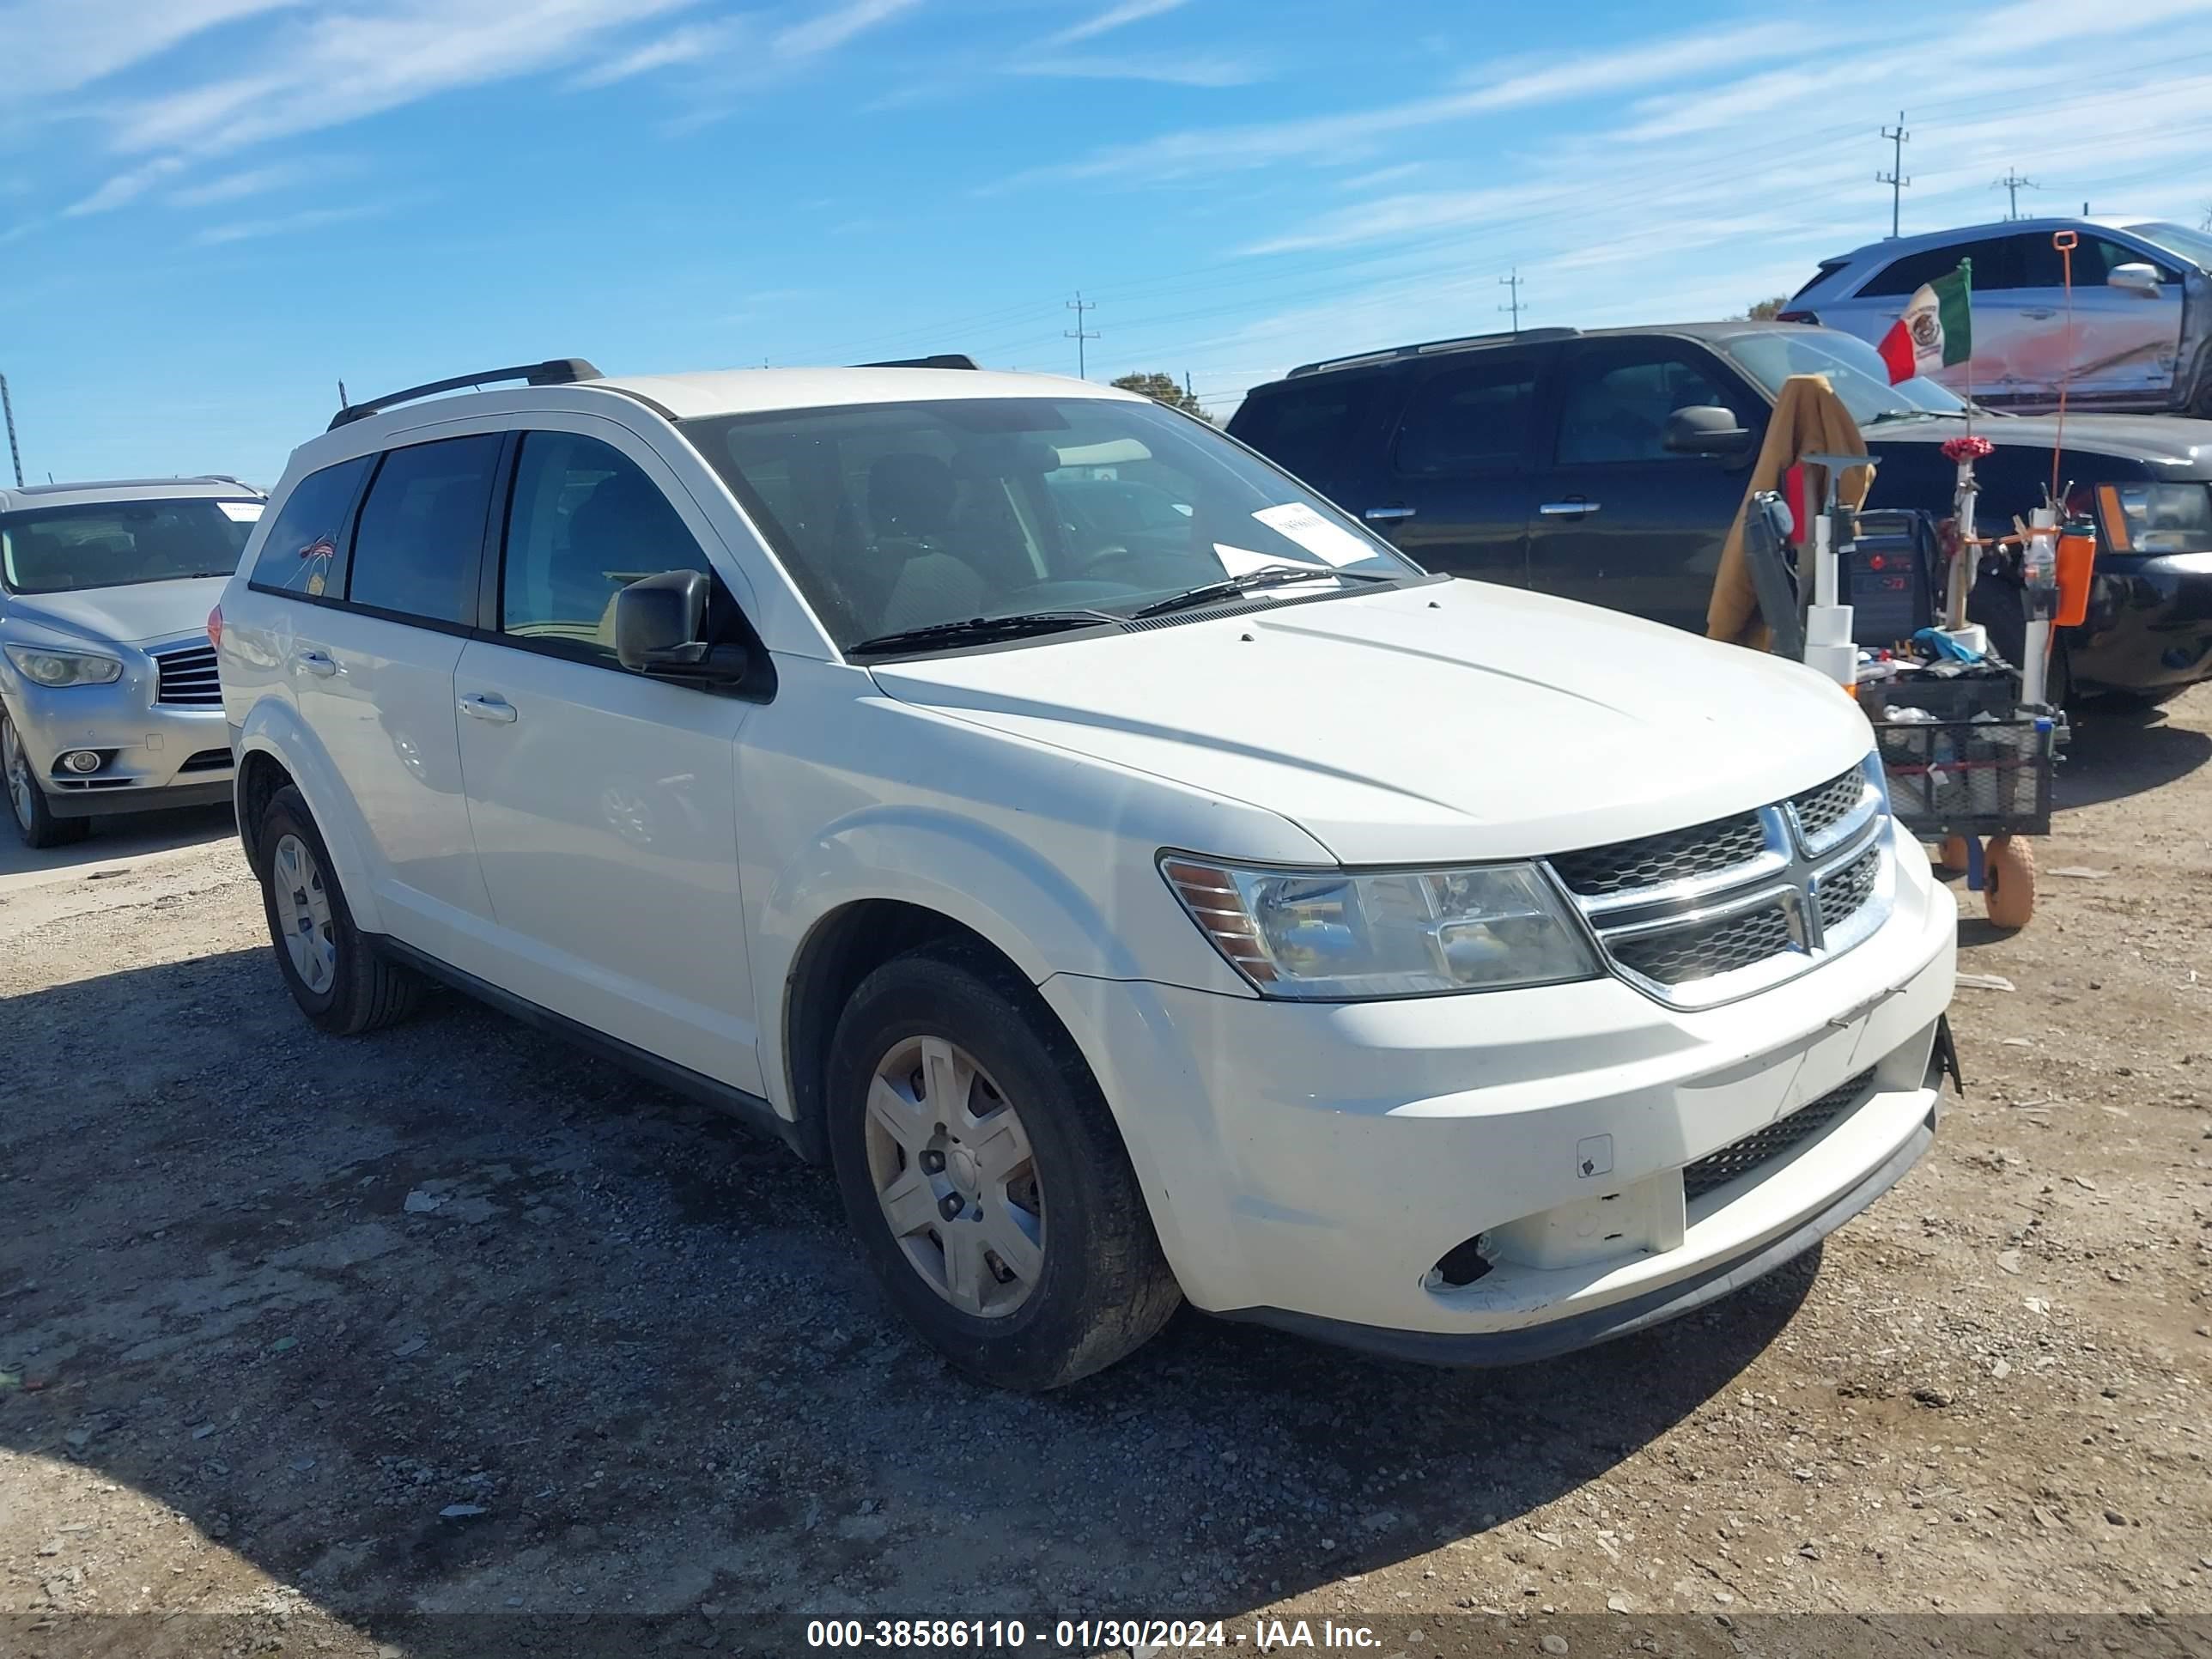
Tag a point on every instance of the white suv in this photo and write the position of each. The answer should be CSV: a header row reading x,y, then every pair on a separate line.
x,y
1135,879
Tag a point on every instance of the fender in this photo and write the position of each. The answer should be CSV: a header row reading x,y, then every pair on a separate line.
x,y
273,728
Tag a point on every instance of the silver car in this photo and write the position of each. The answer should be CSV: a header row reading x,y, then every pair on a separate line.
x,y
2141,325
108,699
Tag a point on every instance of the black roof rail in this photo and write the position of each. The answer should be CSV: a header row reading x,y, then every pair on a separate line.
x,y
1391,354
943,359
555,371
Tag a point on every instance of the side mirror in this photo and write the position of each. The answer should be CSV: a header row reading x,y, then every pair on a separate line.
x,y
660,628
2134,278
1704,429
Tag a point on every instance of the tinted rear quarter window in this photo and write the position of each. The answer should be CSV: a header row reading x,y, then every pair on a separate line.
x,y
420,539
1308,428
299,553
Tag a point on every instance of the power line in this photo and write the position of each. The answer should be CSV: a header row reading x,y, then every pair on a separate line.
x,y
2012,184
1513,305
1079,334
1897,179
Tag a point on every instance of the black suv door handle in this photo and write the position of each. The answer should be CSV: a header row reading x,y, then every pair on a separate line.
x,y
1573,507
1387,514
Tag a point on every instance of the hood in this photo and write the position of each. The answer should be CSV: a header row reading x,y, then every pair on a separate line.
x,y
123,616
2163,440
1443,721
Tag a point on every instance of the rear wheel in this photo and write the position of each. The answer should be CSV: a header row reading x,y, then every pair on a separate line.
x,y
983,1175
34,819
340,979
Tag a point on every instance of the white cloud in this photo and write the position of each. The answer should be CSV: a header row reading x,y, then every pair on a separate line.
x,y
58,46
251,181
125,187
1199,70
688,44
289,224
833,28
340,67
1114,17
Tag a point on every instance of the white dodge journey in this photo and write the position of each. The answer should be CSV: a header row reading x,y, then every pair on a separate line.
x,y
1136,880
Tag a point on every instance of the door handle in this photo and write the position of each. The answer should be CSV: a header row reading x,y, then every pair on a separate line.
x,y
1387,514
1572,509
2042,314
488,706
317,662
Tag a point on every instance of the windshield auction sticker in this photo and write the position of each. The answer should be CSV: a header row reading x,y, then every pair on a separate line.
x,y
1316,534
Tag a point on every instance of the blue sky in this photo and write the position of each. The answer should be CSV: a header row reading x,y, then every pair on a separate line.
x,y
212,210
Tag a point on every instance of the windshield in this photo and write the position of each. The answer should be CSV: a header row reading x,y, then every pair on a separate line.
x,y
1853,367
64,550
897,516
2194,246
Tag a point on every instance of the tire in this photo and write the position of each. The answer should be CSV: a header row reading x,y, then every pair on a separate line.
x,y
342,981
1952,855
2008,881
1027,1150
33,819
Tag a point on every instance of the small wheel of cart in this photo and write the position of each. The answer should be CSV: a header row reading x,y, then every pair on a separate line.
x,y
1952,856
2008,881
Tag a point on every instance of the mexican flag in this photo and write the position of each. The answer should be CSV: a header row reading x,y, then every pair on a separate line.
x,y
1936,330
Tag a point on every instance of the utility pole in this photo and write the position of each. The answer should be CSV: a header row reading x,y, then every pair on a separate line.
x,y
1512,284
2012,184
1897,179
2207,225
14,455
1079,334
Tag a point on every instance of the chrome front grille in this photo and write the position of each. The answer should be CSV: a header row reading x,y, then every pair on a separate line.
x,y
188,676
1762,1146
1700,916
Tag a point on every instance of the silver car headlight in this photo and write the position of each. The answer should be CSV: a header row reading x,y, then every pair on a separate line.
x,y
64,667
1340,935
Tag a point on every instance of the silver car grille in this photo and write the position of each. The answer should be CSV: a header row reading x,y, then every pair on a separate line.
x,y
1701,916
188,676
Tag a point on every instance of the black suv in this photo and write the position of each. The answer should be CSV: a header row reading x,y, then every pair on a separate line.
x,y
1606,465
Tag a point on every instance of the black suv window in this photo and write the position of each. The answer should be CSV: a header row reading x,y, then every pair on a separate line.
x,y
300,555
420,538
1616,402
1307,427
585,522
1470,420
1996,261
2094,259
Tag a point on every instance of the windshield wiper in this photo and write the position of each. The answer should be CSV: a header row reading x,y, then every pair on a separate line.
x,y
1268,576
981,630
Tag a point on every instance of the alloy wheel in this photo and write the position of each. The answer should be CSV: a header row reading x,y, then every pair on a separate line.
x,y
17,765
303,909
954,1169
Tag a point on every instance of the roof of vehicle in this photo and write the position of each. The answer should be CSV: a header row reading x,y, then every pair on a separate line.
x,y
750,391
1891,247
1389,354
207,486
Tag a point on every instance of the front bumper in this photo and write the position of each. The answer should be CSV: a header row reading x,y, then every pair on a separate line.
x,y
2149,626
153,755
1312,1165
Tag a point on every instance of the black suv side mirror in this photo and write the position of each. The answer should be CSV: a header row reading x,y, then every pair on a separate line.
x,y
1704,429
660,628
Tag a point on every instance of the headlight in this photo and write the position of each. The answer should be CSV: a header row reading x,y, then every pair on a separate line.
x,y
1333,935
2157,518
64,667
1872,766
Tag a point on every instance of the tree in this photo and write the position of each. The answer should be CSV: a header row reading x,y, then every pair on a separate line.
x,y
1162,388
1767,310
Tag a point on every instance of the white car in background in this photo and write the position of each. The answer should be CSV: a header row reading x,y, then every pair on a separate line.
x,y
1179,897
2139,335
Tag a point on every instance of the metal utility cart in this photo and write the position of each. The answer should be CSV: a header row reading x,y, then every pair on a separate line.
x,y
1966,744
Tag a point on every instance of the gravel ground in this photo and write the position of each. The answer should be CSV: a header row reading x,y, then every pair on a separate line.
x,y
331,1337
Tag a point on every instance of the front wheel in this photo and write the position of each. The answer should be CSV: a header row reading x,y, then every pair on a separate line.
x,y
34,820
983,1174
342,981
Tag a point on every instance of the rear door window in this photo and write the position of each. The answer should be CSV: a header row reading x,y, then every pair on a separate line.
x,y
1996,260
1309,430
300,553
1474,419
419,543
